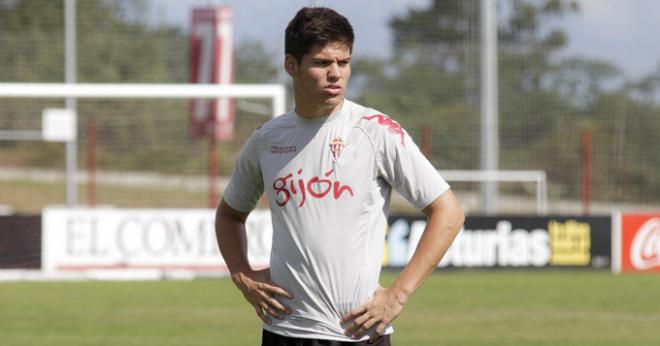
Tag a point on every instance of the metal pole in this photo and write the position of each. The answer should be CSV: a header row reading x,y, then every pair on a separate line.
x,y
541,195
489,95
70,78
586,172
92,136
543,186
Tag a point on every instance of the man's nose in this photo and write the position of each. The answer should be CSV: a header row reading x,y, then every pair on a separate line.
x,y
333,71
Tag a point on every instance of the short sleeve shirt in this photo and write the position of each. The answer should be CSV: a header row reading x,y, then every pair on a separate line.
x,y
328,182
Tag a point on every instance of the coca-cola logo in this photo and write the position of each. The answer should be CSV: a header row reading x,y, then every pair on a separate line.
x,y
645,250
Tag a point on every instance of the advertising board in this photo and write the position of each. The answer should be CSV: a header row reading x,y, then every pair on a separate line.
x,y
20,242
163,240
637,243
516,241
183,240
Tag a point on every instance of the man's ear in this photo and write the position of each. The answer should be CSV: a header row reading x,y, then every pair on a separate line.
x,y
290,64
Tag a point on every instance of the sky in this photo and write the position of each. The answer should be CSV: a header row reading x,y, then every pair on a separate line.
x,y
623,32
626,32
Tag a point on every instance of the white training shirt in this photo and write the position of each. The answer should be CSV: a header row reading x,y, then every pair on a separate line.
x,y
328,183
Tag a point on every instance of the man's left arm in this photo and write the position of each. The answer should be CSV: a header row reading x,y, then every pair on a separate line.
x,y
445,218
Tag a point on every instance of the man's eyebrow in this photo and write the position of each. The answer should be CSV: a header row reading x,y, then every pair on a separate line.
x,y
329,60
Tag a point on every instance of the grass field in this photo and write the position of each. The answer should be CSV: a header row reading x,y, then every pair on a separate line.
x,y
32,197
453,308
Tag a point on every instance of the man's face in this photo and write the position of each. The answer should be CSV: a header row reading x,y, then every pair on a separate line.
x,y
320,78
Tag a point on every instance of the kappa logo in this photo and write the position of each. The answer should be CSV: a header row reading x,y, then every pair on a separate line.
x,y
337,145
392,125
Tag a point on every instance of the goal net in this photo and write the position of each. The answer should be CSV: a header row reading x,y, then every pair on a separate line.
x,y
132,142
147,178
134,151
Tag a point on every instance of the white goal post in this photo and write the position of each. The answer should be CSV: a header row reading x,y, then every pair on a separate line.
x,y
537,177
276,92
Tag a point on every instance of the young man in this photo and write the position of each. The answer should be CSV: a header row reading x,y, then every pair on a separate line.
x,y
328,168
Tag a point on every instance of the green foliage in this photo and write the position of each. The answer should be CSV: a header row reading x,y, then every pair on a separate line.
x,y
253,63
32,44
545,101
114,44
431,82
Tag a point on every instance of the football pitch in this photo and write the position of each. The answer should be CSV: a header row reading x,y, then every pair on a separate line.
x,y
452,308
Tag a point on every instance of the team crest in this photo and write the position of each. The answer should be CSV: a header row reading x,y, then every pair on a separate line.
x,y
337,146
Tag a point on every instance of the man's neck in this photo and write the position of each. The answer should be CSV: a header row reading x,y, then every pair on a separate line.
x,y
317,112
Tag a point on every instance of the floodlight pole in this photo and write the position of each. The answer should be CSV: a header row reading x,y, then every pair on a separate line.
x,y
489,106
70,78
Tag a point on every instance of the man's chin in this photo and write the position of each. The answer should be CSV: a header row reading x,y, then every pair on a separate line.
x,y
334,103
334,100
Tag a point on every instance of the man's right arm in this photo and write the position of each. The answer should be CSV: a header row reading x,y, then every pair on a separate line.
x,y
254,284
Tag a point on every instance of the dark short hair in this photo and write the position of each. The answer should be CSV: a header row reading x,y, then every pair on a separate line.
x,y
316,26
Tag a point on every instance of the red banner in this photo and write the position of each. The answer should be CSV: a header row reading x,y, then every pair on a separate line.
x,y
211,62
639,242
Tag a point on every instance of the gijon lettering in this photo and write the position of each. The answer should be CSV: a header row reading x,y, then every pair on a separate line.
x,y
287,186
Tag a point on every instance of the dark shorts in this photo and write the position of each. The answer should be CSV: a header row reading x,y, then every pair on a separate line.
x,y
272,339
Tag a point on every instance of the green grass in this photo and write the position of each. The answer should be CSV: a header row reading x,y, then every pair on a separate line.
x,y
32,197
453,308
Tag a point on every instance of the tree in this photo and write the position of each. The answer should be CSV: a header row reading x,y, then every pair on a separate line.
x,y
545,101
434,71
115,44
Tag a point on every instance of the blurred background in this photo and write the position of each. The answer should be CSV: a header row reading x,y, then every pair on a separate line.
x,y
544,115
577,97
